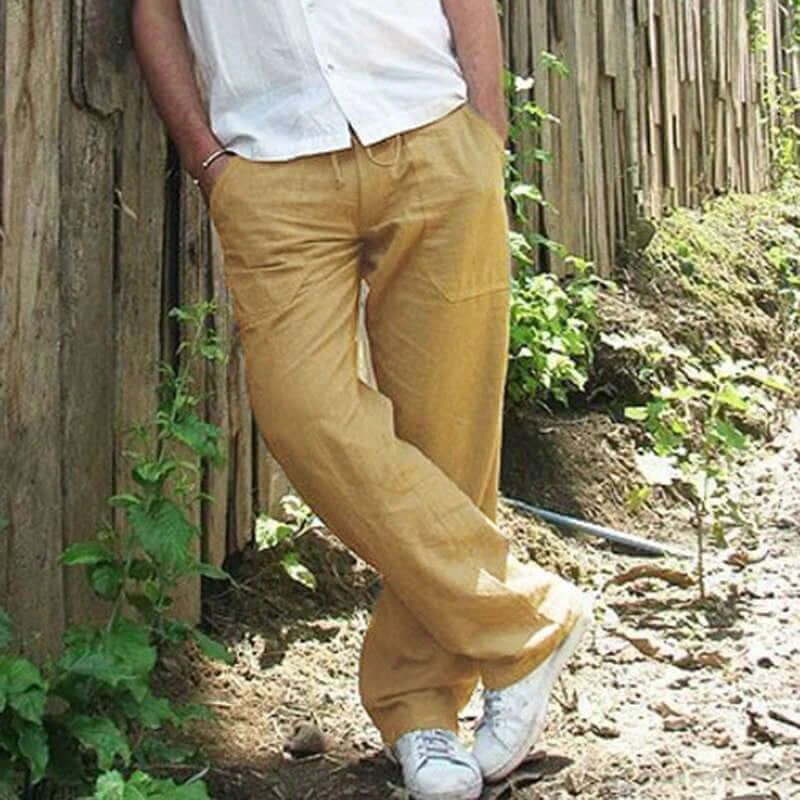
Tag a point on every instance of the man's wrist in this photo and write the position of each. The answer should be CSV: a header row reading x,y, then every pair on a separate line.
x,y
197,152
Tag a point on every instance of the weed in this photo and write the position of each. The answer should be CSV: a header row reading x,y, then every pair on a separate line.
x,y
696,429
281,536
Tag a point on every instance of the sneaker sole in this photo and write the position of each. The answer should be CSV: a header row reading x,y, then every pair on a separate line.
x,y
560,658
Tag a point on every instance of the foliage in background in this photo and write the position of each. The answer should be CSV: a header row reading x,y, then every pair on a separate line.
x,y
696,429
281,536
552,335
526,120
91,715
553,322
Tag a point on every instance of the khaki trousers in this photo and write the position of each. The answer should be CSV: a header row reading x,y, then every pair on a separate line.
x,y
406,476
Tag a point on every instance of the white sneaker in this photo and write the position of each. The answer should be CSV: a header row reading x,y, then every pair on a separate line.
x,y
513,717
437,767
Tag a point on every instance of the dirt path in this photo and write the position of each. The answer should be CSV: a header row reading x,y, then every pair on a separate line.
x,y
668,698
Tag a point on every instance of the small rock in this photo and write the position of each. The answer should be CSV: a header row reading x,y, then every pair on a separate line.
x,y
721,740
760,656
605,730
306,740
677,724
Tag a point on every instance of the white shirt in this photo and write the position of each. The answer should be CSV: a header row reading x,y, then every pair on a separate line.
x,y
284,78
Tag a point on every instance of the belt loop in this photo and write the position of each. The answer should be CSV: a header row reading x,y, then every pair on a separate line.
x,y
337,169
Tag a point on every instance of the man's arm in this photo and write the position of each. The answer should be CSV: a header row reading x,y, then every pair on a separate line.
x,y
166,63
476,34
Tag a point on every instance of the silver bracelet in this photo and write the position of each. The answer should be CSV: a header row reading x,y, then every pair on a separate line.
x,y
210,159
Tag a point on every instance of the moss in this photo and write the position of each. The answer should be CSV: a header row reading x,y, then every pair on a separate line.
x,y
718,272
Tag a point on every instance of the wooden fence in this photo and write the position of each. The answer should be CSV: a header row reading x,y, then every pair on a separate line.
x,y
666,104
101,234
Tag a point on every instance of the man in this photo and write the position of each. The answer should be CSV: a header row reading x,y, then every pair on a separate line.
x,y
338,140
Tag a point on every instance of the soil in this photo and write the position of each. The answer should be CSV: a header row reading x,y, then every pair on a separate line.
x,y
670,695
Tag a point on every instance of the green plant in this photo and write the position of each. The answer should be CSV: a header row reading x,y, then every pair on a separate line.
x,y
526,120
553,323
787,267
93,709
140,786
757,32
281,535
696,431
552,335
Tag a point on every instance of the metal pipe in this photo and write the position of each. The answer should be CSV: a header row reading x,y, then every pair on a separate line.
x,y
618,537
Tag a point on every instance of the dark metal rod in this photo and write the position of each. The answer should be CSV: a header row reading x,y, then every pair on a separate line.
x,y
612,535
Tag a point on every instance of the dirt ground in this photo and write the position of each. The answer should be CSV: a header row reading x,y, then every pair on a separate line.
x,y
667,698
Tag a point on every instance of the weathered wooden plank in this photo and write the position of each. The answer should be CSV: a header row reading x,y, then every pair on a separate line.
x,y
101,32
273,484
31,471
5,438
139,250
193,255
87,338
609,37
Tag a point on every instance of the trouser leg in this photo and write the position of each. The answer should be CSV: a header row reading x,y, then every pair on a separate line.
x,y
438,327
293,238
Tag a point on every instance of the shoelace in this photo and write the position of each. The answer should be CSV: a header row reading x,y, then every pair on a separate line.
x,y
435,744
492,707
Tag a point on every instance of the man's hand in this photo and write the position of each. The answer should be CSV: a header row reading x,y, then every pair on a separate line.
x,y
476,34
166,63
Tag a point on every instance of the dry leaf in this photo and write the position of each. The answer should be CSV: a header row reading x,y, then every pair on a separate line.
x,y
673,576
744,558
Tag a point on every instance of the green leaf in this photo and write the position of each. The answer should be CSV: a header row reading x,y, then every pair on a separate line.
x,y
729,435
32,743
6,629
732,398
150,712
123,655
29,705
211,648
125,500
100,735
210,571
155,789
85,553
18,675
298,571
201,437
775,382
110,786
153,473
637,413
165,535
271,532
107,580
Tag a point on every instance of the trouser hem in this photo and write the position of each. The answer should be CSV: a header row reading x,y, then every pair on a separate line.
x,y
501,675
394,724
